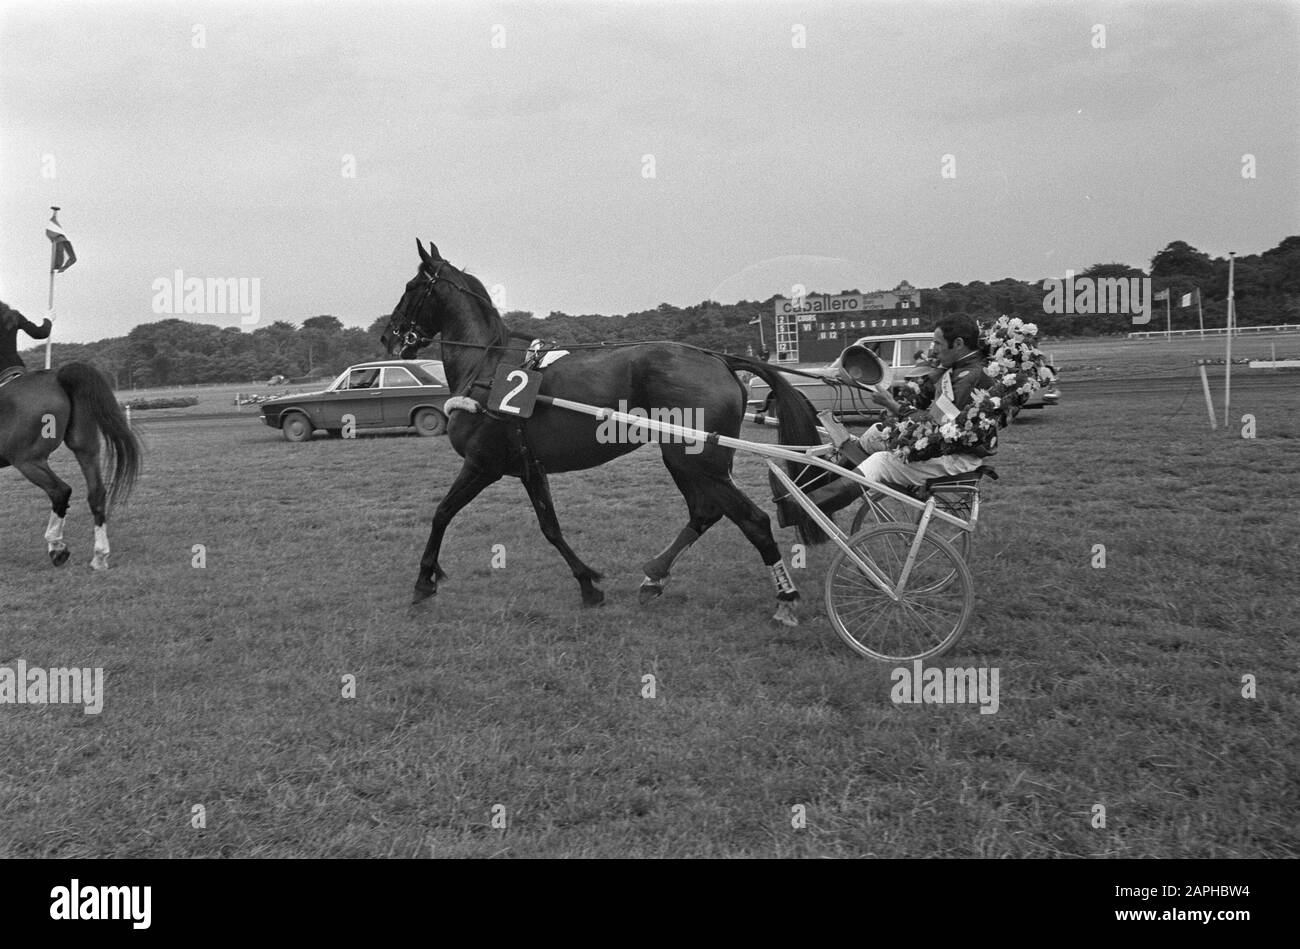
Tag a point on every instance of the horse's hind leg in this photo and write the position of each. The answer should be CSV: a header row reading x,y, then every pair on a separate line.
x,y
40,474
88,459
757,526
539,492
704,514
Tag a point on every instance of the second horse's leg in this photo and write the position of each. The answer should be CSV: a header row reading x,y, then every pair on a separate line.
x,y
40,474
539,492
87,451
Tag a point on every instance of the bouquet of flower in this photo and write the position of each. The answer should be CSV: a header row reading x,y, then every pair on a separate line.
x,y
1017,367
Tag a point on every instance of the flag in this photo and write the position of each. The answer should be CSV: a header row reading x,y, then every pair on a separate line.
x,y
1162,295
62,256
755,320
1186,300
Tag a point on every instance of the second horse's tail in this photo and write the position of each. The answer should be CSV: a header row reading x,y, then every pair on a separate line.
x,y
92,396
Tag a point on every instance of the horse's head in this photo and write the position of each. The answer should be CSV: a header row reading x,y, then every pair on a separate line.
x,y
415,321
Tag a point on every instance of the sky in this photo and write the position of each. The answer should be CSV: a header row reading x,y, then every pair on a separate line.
x,y
601,157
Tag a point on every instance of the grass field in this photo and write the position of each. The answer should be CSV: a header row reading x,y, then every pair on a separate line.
x,y
1116,356
1120,687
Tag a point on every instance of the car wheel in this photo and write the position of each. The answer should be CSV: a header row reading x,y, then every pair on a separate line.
x,y
429,422
296,427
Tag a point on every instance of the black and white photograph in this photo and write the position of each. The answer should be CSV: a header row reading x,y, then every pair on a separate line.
x,y
607,430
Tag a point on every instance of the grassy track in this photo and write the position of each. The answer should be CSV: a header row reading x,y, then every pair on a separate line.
x,y
1120,686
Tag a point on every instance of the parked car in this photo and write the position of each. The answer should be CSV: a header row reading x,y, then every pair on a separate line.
x,y
391,393
899,353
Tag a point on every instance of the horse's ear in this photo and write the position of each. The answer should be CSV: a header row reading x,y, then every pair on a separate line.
x,y
420,247
433,251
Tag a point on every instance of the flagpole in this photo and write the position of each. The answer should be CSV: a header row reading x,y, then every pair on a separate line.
x,y
1227,359
50,306
1209,402
1168,325
1200,314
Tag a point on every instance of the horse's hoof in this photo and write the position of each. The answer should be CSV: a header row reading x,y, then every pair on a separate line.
x,y
422,593
99,563
594,598
60,557
785,614
650,590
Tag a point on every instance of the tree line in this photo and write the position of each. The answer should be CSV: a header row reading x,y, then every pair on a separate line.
x,y
178,352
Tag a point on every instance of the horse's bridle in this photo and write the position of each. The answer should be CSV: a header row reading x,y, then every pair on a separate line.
x,y
413,336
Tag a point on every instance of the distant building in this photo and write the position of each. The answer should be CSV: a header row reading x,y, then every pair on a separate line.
x,y
819,329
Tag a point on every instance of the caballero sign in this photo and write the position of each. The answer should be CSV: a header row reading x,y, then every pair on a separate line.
x,y
810,307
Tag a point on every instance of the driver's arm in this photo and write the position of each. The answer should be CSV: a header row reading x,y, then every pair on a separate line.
x,y
886,401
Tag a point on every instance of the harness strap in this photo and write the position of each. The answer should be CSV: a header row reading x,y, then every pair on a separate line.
x,y
530,464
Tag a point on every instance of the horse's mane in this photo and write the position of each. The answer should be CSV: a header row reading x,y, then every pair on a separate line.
x,y
476,285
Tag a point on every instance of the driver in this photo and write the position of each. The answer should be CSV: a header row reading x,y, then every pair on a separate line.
x,y
944,392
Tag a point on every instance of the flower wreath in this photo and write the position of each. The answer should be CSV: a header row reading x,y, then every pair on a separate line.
x,y
1018,368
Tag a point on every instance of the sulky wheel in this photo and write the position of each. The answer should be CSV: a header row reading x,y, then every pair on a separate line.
x,y
880,509
933,609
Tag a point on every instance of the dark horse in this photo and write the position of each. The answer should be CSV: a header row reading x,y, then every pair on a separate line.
x,y
74,406
443,301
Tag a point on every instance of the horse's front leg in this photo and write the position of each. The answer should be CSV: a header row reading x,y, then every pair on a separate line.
x,y
539,492
471,480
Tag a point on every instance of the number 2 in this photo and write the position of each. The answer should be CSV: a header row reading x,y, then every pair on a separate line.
x,y
505,399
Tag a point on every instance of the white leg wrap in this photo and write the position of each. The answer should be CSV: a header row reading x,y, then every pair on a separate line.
x,y
54,533
781,578
100,560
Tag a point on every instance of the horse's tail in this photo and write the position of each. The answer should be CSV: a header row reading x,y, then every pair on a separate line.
x,y
91,394
797,426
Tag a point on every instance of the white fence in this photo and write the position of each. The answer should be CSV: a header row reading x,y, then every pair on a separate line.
x,y
1221,331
